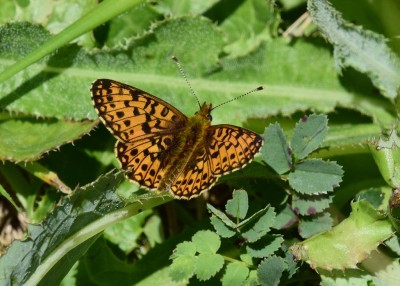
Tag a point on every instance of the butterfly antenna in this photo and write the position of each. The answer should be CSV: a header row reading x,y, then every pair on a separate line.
x,y
237,97
175,59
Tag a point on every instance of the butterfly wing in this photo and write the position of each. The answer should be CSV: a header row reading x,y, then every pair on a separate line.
x,y
132,114
231,148
145,159
228,148
145,126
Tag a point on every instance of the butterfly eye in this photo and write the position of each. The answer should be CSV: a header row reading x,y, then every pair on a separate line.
x,y
209,117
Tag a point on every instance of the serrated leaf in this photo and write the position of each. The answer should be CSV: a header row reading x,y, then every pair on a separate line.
x,y
207,265
235,274
285,219
308,226
252,280
206,241
332,250
237,207
270,271
68,231
315,176
264,247
310,205
260,223
27,138
182,268
222,229
276,151
361,49
309,134
222,216
186,248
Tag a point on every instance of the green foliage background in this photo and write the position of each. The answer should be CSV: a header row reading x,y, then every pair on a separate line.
x,y
87,225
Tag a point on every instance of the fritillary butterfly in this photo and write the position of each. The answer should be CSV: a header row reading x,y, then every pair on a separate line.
x,y
162,149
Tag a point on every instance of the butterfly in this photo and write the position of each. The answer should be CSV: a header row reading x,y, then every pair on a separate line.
x,y
162,149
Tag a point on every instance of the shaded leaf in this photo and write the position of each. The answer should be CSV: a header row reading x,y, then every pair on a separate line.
x,y
264,247
237,207
314,176
270,270
276,151
309,134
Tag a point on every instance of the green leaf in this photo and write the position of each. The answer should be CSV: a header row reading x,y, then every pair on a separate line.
x,y
309,226
260,223
207,265
386,153
222,216
182,8
244,36
27,138
276,151
126,233
237,207
252,280
186,248
235,274
366,229
314,176
270,271
206,241
182,267
361,49
310,205
221,228
309,134
285,219
64,236
264,247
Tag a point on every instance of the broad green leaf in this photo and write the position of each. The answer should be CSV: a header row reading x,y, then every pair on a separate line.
x,y
67,232
310,205
270,271
314,176
311,225
366,229
309,134
252,280
206,241
182,8
27,138
207,265
216,83
361,49
237,206
235,274
276,151
264,247
346,277
243,36
255,227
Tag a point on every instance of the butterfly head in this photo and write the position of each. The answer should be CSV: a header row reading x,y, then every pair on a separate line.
x,y
205,111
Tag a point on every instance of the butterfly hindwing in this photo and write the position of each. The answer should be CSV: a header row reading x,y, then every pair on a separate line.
x,y
231,147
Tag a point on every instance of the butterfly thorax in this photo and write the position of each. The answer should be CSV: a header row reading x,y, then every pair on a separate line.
x,y
190,143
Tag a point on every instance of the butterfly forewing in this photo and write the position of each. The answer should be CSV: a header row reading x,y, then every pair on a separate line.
x,y
132,114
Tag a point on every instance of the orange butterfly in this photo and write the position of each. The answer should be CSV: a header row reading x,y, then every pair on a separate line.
x,y
162,149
